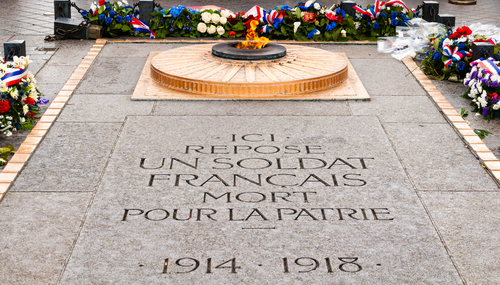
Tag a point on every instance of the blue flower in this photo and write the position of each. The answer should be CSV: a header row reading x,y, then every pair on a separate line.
x,y
485,111
394,22
25,84
112,13
3,96
43,101
461,46
108,8
283,8
311,33
383,15
102,17
375,25
84,13
402,15
276,25
461,65
436,56
406,19
302,8
108,20
128,18
330,26
119,19
17,125
394,15
21,93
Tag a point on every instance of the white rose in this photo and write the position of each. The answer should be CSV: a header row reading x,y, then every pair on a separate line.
x,y
343,32
215,18
496,106
447,42
317,6
206,17
223,20
202,27
211,30
225,13
220,30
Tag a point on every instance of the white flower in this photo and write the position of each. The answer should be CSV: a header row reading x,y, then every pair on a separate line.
x,y
225,13
25,109
308,3
223,20
462,39
343,32
495,78
202,27
119,3
125,2
447,42
317,6
211,30
220,30
215,18
15,94
296,26
206,17
8,134
23,120
496,106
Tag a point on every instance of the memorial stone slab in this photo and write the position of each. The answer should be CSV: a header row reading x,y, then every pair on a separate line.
x,y
257,200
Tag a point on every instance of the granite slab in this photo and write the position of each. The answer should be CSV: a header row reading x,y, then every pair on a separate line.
x,y
257,200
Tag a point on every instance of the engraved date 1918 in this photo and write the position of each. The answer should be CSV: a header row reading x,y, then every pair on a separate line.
x,y
297,265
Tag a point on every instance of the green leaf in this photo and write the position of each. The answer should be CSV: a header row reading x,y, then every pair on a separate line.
x,y
5,152
463,113
101,9
482,133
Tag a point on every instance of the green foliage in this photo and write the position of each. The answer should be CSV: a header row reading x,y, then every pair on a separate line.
x,y
482,133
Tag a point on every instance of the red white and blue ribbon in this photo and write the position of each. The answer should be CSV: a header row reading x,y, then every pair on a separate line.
x,y
454,55
489,66
140,26
393,2
257,12
271,16
14,77
378,6
265,29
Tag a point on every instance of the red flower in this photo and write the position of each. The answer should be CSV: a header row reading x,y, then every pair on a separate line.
x,y
232,21
4,106
232,33
29,101
31,114
101,2
331,17
309,17
340,19
494,96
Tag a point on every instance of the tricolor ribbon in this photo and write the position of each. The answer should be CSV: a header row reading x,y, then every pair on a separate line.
x,y
377,8
454,55
140,26
489,66
271,16
257,12
393,2
265,29
14,77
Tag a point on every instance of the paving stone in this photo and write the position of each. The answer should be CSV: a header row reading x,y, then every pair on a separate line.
x,y
411,109
111,108
38,230
125,73
70,158
355,51
69,55
55,74
436,159
404,250
132,50
50,90
373,72
249,108
469,225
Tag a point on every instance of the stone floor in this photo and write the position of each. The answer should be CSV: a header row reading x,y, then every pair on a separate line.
x,y
401,202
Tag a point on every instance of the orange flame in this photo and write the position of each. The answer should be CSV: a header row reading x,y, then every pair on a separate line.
x,y
253,41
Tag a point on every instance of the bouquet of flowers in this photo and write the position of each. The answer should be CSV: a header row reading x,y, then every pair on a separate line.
x,y
309,21
381,19
19,96
449,56
484,87
114,17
